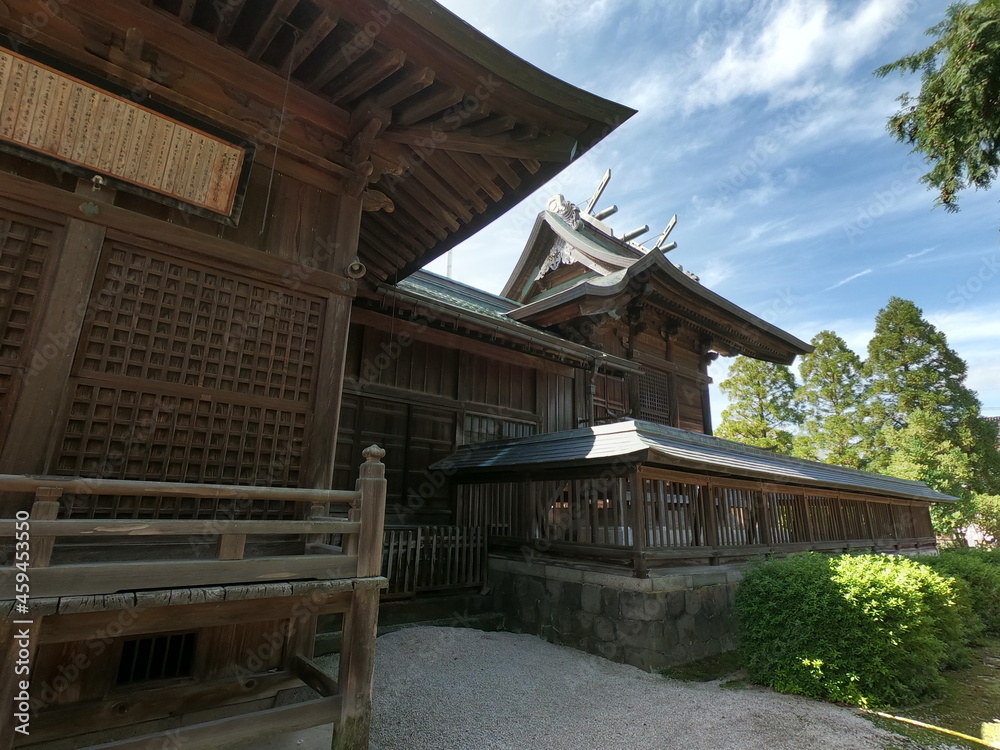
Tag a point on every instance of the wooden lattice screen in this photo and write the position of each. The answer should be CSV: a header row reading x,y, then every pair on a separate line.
x,y
185,373
654,397
24,249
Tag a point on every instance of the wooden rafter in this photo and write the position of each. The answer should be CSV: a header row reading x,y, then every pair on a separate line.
x,y
186,11
349,88
269,28
411,83
441,191
432,102
442,165
344,59
474,166
310,40
503,170
228,16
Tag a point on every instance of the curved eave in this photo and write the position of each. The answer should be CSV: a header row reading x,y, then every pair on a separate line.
x,y
563,123
634,280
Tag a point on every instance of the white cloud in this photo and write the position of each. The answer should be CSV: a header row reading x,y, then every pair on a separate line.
x,y
849,279
798,40
911,257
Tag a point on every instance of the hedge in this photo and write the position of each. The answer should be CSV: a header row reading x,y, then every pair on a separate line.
x,y
868,630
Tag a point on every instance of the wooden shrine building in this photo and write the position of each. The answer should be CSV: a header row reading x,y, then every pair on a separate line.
x,y
198,200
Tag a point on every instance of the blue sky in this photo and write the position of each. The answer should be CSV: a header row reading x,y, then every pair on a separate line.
x,y
762,127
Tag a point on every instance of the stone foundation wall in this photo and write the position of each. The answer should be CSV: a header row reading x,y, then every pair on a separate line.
x,y
650,623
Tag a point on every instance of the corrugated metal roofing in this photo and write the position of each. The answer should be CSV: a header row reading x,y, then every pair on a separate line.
x,y
654,444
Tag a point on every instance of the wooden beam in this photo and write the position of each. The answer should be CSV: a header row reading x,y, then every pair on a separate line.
x,y
229,12
433,207
313,675
432,102
475,167
342,60
106,578
35,413
238,730
186,11
503,170
119,527
80,486
492,126
554,148
65,628
412,83
207,61
310,40
149,704
269,28
349,88
444,167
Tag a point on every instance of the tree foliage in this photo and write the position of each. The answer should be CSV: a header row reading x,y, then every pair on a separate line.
x,y
954,121
762,406
831,400
925,421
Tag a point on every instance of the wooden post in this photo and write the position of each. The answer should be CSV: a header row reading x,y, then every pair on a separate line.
x,y
357,653
638,523
35,415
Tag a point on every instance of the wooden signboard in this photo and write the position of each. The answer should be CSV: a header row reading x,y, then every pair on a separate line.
x,y
51,116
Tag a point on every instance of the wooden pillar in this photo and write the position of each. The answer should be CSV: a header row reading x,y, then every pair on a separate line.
x,y
357,652
333,352
638,494
34,420
706,409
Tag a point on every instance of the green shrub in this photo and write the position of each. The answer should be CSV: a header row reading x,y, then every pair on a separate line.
x,y
980,569
869,630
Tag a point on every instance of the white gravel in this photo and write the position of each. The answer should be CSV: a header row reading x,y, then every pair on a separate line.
x,y
453,688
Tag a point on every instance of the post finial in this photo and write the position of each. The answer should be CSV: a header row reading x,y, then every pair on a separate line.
x,y
373,453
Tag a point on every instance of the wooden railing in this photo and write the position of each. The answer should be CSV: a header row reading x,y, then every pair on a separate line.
x,y
421,559
228,536
649,516
215,553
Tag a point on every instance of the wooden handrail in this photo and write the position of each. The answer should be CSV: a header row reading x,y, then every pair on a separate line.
x,y
170,527
83,486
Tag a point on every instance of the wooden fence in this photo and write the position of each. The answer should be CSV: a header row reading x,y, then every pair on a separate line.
x,y
651,516
432,558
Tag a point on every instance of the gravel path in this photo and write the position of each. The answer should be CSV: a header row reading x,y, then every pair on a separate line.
x,y
448,688
458,689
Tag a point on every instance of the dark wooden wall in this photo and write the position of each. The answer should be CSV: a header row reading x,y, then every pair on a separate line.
x,y
421,397
139,342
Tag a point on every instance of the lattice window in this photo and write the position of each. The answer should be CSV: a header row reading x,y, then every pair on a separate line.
x,y
483,428
23,252
158,319
118,433
654,397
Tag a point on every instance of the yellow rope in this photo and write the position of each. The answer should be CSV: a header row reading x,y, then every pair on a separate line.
x,y
929,726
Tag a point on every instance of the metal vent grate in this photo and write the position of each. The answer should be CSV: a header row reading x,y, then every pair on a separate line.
x,y
159,657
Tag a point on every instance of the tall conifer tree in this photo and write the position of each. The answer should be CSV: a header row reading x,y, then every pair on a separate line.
x,y
761,407
926,421
831,399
